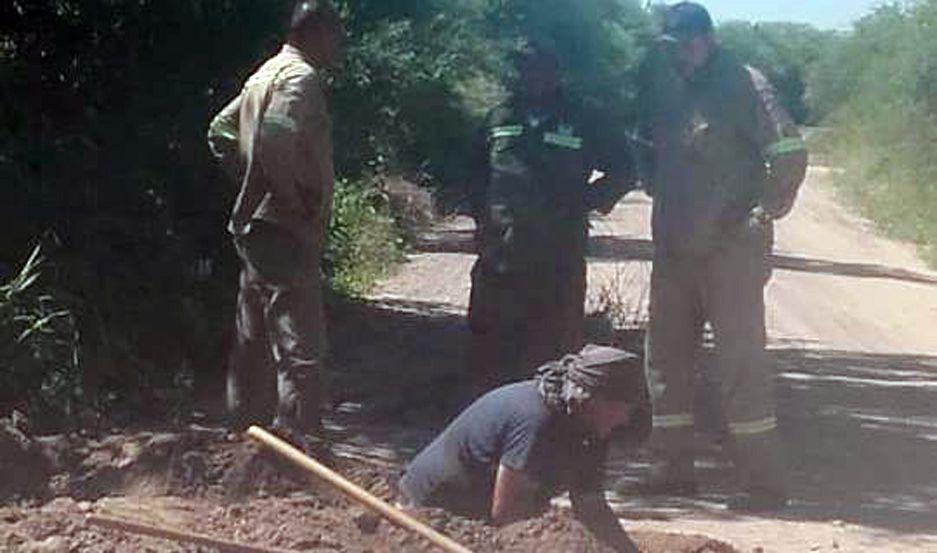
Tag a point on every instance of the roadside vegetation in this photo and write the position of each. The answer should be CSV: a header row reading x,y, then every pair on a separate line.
x,y
786,53
102,151
39,353
879,86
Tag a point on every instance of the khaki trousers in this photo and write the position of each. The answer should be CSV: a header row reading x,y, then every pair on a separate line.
x,y
520,321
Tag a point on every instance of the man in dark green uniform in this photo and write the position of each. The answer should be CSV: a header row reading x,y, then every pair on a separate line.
x,y
725,161
531,201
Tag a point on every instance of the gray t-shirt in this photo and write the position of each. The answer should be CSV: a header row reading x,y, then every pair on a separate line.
x,y
509,426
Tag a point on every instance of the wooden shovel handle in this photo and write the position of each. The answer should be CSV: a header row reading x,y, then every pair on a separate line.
x,y
394,515
172,534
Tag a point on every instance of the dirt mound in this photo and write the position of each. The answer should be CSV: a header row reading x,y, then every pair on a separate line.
x,y
24,467
299,522
558,531
212,484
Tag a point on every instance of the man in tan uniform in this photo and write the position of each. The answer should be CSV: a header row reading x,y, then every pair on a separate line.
x,y
275,139
725,160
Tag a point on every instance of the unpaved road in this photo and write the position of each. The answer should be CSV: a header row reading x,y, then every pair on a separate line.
x,y
852,320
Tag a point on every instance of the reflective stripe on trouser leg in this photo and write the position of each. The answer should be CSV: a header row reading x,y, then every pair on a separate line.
x,y
671,422
753,428
673,337
734,302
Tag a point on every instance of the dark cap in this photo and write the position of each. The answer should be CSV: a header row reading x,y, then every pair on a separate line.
x,y
306,12
685,21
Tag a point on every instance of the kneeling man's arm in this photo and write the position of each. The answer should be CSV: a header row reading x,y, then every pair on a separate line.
x,y
514,498
594,512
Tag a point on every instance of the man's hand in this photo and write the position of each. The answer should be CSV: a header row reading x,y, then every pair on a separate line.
x,y
593,511
758,217
514,497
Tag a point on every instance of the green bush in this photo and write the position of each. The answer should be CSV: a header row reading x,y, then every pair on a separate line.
x,y
786,53
884,119
102,141
39,353
364,242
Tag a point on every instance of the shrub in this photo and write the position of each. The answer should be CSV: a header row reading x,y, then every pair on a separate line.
x,y
364,242
885,118
39,353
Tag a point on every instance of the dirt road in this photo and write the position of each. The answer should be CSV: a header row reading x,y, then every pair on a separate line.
x,y
853,332
852,337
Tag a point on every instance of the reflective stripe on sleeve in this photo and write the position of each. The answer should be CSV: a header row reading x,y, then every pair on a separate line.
x,y
508,131
278,123
223,128
753,427
673,421
563,140
785,146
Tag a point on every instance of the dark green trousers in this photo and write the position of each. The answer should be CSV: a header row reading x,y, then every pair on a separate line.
x,y
522,320
280,343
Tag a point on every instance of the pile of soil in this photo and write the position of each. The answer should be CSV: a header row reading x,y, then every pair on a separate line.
x,y
299,522
213,484
23,464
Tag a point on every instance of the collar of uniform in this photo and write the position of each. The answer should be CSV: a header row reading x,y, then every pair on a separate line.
x,y
291,50
557,109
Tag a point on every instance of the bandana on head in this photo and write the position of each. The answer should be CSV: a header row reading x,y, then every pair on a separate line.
x,y
601,372
596,370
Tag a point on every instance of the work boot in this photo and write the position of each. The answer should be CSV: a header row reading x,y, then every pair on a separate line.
x,y
667,478
758,501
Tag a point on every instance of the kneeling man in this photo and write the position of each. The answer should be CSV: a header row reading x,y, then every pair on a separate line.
x,y
515,448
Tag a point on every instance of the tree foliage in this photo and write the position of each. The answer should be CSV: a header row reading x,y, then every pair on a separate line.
x,y
878,85
785,52
105,105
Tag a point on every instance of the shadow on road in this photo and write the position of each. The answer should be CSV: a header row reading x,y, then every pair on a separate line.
x,y
458,240
858,270
860,429
611,248
860,432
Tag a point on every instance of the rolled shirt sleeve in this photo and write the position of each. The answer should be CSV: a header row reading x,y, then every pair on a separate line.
x,y
782,147
223,133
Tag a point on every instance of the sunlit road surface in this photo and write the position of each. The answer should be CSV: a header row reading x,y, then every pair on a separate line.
x,y
852,320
